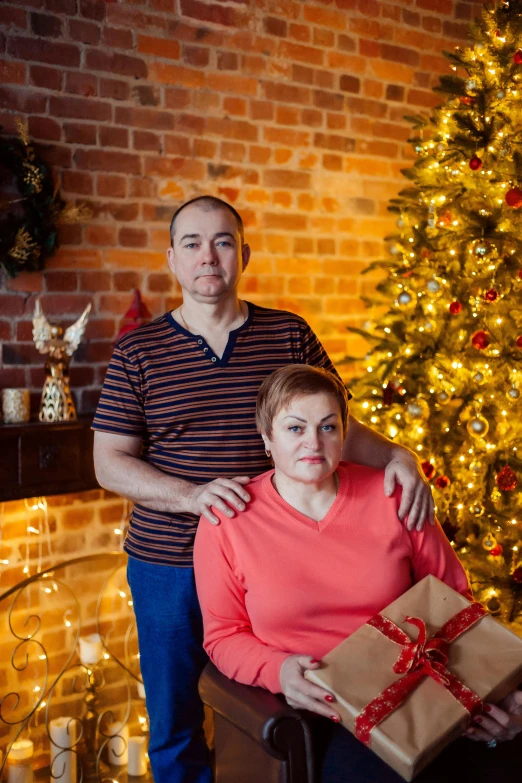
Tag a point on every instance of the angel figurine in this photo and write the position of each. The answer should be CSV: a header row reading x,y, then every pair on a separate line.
x,y
51,339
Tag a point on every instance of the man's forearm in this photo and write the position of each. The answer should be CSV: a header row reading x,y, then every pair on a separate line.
x,y
142,483
367,447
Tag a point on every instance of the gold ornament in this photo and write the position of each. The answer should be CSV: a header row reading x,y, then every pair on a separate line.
x,y
476,466
57,403
477,509
478,426
496,495
443,398
489,542
417,409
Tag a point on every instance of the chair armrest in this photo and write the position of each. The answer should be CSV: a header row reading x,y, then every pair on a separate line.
x,y
254,711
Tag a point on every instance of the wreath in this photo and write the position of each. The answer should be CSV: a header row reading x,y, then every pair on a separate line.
x,y
29,219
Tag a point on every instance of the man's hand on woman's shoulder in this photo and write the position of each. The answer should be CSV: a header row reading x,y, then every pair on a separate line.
x,y
417,501
226,495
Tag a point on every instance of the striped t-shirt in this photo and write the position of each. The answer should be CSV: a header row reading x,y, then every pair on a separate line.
x,y
194,411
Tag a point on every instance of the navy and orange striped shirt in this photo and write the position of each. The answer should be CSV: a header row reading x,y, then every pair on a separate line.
x,y
194,411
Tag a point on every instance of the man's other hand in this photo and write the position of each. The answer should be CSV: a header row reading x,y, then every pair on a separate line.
x,y
417,501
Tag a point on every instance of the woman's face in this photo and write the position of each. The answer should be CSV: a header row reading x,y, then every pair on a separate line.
x,y
307,438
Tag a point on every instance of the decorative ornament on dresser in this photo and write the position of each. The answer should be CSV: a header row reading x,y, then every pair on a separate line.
x,y
32,209
59,344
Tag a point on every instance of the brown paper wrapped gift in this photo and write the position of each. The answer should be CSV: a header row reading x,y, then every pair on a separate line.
x,y
487,659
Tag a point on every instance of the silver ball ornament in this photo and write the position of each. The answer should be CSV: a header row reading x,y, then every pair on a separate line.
x,y
404,298
443,398
433,286
513,393
478,377
478,427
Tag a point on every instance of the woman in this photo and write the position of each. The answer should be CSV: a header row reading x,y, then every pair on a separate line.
x,y
318,552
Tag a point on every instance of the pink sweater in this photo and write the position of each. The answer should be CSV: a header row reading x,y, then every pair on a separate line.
x,y
272,582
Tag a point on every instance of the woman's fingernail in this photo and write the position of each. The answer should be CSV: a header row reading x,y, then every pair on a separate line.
x,y
315,660
487,707
335,718
329,697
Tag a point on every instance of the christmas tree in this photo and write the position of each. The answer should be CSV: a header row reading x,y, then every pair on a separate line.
x,y
444,372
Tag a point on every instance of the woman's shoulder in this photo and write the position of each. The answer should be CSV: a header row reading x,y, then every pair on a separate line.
x,y
360,474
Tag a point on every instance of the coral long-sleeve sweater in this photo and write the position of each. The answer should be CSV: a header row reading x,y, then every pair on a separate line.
x,y
273,582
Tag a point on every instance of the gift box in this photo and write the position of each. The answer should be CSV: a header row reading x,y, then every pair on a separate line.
x,y
407,688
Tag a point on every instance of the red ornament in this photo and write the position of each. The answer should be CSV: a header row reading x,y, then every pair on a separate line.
x,y
506,479
517,57
520,274
519,342
491,295
475,163
480,340
428,469
137,314
467,99
517,574
455,308
387,394
442,482
497,550
514,198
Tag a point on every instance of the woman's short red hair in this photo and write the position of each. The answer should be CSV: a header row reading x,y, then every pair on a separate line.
x,y
296,380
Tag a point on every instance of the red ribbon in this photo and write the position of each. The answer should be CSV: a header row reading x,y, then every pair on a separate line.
x,y
423,658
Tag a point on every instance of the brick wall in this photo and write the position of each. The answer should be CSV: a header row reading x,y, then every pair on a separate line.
x,y
290,109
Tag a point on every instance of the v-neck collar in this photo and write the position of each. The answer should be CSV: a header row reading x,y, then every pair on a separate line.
x,y
204,348
342,497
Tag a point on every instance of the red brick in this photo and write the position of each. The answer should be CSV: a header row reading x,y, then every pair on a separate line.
x,y
144,118
243,85
232,129
95,281
100,160
93,9
117,38
287,179
300,32
285,222
69,7
177,145
20,353
79,133
437,6
159,47
196,55
235,106
39,50
176,98
79,108
15,17
174,74
133,237
301,53
12,73
227,61
50,78
122,64
349,83
45,26
101,235
111,185
312,118
44,128
346,43
111,136
21,100
324,38
232,151
175,167
84,32
261,110
147,141
325,17
70,234
226,16
115,89
292,138
333,142
81,84
61,281
432,23
77,182
55,154
328,100
11,305
126,281
286,93
399,54
274,26
204,148
5,330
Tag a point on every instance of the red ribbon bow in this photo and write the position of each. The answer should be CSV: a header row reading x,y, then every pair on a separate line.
x,y
419,659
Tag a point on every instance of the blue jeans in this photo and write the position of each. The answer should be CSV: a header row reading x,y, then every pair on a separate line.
x,y
170,635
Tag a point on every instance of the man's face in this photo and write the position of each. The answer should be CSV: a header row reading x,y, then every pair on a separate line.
x,y
207,258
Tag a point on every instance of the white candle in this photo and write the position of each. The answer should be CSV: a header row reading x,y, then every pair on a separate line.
x,y
137,756
20,762
141,690
91,649
118,745
63,735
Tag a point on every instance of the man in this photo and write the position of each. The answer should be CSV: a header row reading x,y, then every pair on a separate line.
x,y
175,433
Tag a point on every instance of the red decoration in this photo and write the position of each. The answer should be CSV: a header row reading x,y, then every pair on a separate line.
x,y
446,218
475,163
506,479
428,469
517,57
520,274
480,340
514,198
137,314
455,308
519,342
467,99
517,574
442,482
387,394
423,658
491,295
497,550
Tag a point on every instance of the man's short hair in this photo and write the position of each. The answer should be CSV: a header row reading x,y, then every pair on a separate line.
x,y
296,380
209,203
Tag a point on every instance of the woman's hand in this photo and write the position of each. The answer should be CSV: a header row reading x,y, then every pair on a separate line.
x,y
500,723
300,693
417,501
